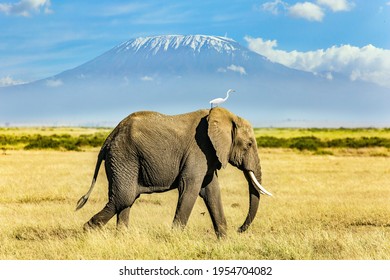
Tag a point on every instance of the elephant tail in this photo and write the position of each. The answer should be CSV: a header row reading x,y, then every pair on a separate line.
x,y
83,200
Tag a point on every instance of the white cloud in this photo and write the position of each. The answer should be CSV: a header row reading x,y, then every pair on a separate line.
x,y
147,79
233,68
26,7
54,83
307,10
236,68
337,5
367,63
9,81
274,7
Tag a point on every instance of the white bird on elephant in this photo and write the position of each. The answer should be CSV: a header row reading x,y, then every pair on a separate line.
x,y
217,101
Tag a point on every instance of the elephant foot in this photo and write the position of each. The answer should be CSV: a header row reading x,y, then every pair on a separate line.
x,y
177,227
87,227
242,228
221,235
90,226
122,227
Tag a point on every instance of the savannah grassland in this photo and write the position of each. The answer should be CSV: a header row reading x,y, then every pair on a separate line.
x,y
328,203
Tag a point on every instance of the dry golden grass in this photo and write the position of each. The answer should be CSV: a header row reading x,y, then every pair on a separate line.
x,y
324,207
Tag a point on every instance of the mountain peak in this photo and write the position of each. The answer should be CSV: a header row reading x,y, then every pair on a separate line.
x,y
165,43
174,55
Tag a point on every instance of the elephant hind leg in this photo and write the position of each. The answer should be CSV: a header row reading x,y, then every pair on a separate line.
x,y
101,218
122,218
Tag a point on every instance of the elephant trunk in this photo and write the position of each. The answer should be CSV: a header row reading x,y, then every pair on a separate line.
x,y
255,189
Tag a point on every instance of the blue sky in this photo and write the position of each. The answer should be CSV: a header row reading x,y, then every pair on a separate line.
x,y
40,38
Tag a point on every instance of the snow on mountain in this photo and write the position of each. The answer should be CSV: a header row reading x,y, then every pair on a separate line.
x,y
175,55
173,42
177,73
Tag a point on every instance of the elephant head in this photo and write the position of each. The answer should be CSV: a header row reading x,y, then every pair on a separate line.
x,y
234,142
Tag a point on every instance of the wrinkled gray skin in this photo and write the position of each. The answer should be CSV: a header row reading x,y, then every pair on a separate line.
x,y
149,153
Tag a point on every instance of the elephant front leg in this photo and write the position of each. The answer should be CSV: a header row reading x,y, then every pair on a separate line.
x,y
188,193
211,195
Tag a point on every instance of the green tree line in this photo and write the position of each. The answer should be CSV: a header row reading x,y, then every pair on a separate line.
x,y
55,142
313,143
76,143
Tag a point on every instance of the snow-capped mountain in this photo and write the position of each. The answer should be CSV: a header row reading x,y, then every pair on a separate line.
x,y
177,73
152,45
175,55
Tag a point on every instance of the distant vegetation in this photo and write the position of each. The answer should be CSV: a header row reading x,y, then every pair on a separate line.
x,y
313,143
316,139
55,142
312,139
65,141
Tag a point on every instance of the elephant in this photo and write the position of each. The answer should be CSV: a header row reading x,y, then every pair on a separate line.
x,y
149,152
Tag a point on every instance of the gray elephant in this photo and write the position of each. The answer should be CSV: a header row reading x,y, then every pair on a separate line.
x,y
149,152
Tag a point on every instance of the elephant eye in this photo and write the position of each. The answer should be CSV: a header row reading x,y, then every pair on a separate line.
x,y
249,145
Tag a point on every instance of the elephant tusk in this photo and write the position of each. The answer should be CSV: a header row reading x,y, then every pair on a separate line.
x,y
257,184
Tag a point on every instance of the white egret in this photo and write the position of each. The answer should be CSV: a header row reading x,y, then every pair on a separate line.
x,y
217,101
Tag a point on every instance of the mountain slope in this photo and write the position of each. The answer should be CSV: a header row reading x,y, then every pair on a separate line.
x,y
175,55
177,73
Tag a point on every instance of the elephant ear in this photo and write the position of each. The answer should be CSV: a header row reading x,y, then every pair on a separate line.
x,y
220,132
